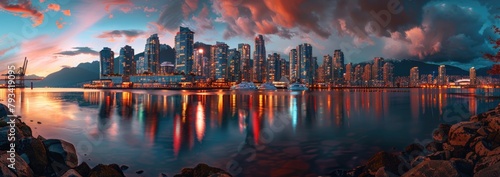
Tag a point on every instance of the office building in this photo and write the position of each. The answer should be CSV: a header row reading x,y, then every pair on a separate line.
x,y
414,77
152,54
234,70
246,69
107,62
184,50
260,59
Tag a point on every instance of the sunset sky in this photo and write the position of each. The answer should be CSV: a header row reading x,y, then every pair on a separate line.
x,y
62,33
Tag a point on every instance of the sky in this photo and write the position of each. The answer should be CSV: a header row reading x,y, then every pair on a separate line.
x,y
54,34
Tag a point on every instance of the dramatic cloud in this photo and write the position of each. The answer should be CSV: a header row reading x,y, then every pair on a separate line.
x,y
66,12
78,51
60,24
110,3
25,8
152,9
54,7
129,35
202,20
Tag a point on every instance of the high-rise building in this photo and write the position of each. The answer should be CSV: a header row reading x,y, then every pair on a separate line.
x,y
141,65
338,65
127,62
388,74
328,68
294,65
377,69
212,60
348,74
221,54
106,63
414,77
304,55
152,54
234,71
246,70
358,75
472,75
201,57
313,70
184,50
442,79
260,59
285,69
320,74
430,79
273,67
367,74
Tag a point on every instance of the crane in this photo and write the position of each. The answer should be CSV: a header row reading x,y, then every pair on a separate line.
x,y
19,74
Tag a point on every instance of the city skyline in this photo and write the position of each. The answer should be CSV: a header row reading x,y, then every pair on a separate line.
x,y
65,34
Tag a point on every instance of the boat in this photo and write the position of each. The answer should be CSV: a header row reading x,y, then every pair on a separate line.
x,y
267,86
244,86
297,87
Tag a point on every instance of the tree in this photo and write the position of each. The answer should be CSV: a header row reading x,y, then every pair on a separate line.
x,y
495,69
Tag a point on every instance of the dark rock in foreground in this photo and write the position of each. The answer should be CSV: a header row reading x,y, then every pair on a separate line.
x,y
203,170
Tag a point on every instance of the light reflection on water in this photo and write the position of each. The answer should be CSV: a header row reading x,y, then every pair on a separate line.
x,y
164,131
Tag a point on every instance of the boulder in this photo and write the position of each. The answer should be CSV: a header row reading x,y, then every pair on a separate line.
x,y
61,152
106,171
418,160
83,169
414,149
434,147
463,132
21,167
483,131
71,173
493,170
24,129
433,168
4,138
493,123
390,161
463,166
482,148
33,151
494,139
202,170
441,133
381,172
472,156
4,111
486,162
440,155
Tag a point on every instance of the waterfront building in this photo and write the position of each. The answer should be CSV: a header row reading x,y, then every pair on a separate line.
x,y
260,59
388,74
472,76
221,54
106,64
294,65
184,50
338,65
442,79
414,77
234,71
246,69
348,74
127,62
167,68
284,68
328,68
141,65
367,74
358,75
273,67
152,54
304,55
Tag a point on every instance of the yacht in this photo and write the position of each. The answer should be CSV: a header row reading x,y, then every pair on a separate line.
x,y
297,87
244,86
267,86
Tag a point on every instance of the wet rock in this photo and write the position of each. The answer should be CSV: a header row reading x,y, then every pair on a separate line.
x,y
434,147
163,175
83,169
463,166
61,152
463,132
417,160
106,170
459,152
493,123
33,151
483,131
381,172
202,170
494,139
441,155
4,138
439,168
493,170
390,161
482,148
139,172
25,130
414,149
486,162
21,167
472,156
41,138
71,173
4,110
441,133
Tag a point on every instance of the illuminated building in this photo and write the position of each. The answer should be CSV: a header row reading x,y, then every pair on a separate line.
x,y
106,63
184,50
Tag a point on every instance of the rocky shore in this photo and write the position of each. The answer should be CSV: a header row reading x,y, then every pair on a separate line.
x,y
468,148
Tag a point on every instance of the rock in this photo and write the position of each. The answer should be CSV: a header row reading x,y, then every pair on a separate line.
x,y
41,138
106,170
463,132
486,162
71,173
140,172
483,131
4,138
472,156
202,170
33,151
414,149
463,166
434,146
441,133
417,160
493,122
390,161
439,168
21,167
62,152
83,169
482,148
494,139
459,152
441,155
381,172
124,167
163,175
4,110
25,130
220,175
493,170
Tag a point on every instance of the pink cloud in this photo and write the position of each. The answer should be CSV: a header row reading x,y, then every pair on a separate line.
x,y
60,24
54,7
24,8
129,35
66,12
152,9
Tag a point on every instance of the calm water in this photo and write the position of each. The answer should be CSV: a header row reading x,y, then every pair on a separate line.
x,y
247,133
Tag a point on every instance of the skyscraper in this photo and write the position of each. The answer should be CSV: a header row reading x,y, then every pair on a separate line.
x,y
304,55
127,61
472,75
184,50
221,54
348,74
294,65
377,69
273,67
285,69
442,79
246,69
358,75
388,74
152,54
328,68
367,74
234,71
202,54
141,65
414,77
338,65
212,61
260,59
106,63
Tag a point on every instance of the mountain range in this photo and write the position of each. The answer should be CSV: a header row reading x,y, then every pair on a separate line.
x,y
86,72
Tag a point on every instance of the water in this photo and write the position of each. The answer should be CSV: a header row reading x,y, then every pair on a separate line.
x,y
248,133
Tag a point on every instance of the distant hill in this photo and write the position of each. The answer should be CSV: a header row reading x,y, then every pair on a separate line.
x,y
402,68
71,77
